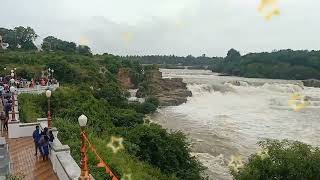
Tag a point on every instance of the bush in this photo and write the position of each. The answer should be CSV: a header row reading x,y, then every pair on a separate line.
x,y
126,118
168,152
32,107
284,160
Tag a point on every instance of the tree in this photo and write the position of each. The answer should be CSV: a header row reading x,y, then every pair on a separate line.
x,y
169,152
25,37
233,55
84,50
282,160
19,37
51,43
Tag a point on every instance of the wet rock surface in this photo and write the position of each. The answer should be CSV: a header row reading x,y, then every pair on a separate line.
x,y
170,92
311,83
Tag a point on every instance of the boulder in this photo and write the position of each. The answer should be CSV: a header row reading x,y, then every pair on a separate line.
x,y
170,92
311,83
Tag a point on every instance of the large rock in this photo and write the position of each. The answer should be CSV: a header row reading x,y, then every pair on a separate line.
x,y
170,92
311,83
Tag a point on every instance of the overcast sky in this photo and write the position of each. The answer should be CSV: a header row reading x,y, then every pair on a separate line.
x,y
179,27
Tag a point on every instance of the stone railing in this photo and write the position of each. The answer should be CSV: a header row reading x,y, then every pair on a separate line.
x,y
38,89
65,167
63,164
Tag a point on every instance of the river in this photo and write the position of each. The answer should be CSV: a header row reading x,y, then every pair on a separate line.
x,y
223,118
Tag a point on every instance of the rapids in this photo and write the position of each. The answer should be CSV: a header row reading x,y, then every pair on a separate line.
x,y
229,115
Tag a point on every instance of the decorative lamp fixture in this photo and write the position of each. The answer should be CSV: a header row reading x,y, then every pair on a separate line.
x,y
83,120
48,93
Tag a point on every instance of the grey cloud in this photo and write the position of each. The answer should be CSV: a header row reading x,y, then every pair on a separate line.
x,y
198,26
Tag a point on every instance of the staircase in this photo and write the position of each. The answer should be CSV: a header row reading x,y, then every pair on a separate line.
x,y
25,164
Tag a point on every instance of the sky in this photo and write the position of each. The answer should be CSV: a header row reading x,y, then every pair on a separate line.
x,y
180,27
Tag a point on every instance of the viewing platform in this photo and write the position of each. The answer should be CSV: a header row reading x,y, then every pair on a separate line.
x,y
17,149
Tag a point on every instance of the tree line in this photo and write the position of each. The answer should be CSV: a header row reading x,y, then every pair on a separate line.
x,y
282,64
174,61
23,38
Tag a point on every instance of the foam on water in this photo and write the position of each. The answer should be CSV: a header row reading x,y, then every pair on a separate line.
x,y
229,115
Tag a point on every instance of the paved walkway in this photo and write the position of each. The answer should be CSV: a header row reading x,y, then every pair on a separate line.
x,y
25,163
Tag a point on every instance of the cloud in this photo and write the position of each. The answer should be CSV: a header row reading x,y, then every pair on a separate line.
x,y
178,27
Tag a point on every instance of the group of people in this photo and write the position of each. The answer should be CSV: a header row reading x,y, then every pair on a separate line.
x,y
6,102
42,142
24,83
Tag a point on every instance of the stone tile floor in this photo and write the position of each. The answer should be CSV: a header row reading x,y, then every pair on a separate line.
x,y
24,163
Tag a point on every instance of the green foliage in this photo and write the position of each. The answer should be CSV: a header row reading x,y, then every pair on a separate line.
x,y
284,64
174,61
126,118
51,43
31,107
150,105
113,94
167,151
19,36
84,50
233,55
97,94
121,162
285,160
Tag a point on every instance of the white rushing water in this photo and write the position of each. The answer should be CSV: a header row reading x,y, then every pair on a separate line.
x,y
229,115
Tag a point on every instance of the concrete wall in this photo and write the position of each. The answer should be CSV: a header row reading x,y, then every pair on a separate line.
x,y
17,129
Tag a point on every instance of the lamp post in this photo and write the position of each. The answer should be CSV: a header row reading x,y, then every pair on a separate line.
x,y
48,94
12,81
12,90
84,158
52,71
49,71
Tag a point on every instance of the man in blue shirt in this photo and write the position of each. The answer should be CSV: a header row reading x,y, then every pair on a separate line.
x,y
36,137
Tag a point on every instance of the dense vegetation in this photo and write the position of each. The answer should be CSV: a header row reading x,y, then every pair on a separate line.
x,y
89,86
201,62
283,64
282,160
21,38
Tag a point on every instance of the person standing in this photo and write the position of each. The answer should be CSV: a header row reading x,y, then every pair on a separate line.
x,y
51,137
36,138
2,121
45,148
43,142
